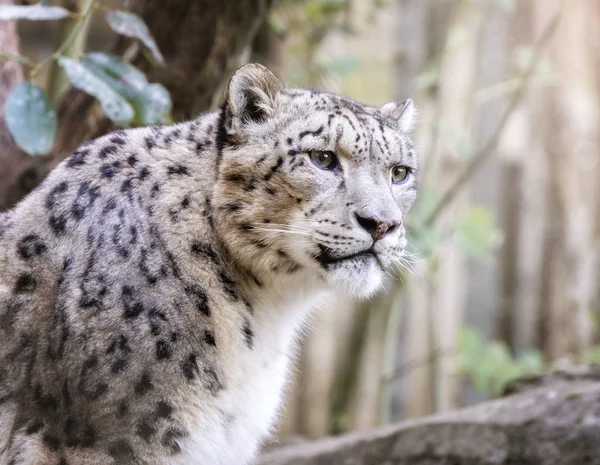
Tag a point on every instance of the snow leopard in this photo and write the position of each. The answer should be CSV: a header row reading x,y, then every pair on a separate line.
x,y
154,286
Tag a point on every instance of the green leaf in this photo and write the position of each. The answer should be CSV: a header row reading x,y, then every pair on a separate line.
x,y
470,340
469,349
131,25
490,365
531,361
153,105
591,355
498,353
152,102
503,375
115,66
37,12
30,118
113,104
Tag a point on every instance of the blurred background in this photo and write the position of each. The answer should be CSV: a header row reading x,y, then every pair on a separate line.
x,y
502,278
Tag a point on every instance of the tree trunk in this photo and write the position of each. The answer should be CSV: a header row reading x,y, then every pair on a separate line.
x,y
202,41
13,162
572,191
447,297
415,396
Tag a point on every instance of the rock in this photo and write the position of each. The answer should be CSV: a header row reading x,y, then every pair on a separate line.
x,y
551,420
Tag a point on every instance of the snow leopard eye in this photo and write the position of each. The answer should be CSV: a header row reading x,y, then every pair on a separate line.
x,y
400,174
324,159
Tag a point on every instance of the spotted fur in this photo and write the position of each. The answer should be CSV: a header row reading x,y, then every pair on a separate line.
x,y
151,289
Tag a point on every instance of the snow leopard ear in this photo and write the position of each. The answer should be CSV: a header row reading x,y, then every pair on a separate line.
x,y
404,113
251,94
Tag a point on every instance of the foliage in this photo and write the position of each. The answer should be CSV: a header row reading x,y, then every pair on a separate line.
x,y
151,102
131,25
94,83
490,365
38,12
28,111
311,22
591,356
124,94
473,230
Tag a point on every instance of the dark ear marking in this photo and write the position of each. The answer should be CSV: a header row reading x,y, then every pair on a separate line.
x,y
250,97
251,93
253,110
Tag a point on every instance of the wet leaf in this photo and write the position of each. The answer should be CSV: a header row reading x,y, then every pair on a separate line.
x,y
131,25
36,12
114,65
152,102
114,106
30,118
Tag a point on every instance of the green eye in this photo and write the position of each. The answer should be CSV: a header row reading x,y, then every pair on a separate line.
x,y
400,174
324,159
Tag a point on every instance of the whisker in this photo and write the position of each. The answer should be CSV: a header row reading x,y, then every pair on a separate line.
x,y
282,231
413,260
407,266
277,225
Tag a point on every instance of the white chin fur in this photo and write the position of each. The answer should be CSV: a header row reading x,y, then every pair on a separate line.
x,y
362,282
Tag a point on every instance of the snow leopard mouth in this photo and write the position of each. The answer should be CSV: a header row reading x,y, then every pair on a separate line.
x,y
327,257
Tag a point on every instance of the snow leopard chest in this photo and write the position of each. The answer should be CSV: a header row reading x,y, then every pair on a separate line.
x,y
232,429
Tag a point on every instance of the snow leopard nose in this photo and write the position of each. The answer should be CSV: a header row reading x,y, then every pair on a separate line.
x,y
377,227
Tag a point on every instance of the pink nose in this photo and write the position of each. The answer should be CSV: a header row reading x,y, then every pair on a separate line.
x,y
375,226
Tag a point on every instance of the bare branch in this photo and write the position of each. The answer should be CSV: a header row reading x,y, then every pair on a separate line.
x,y
419,362
72,38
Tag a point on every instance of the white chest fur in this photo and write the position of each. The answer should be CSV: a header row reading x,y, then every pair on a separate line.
x,y
231,430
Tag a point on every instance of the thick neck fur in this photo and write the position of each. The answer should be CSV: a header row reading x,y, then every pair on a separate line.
x,y
220,213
